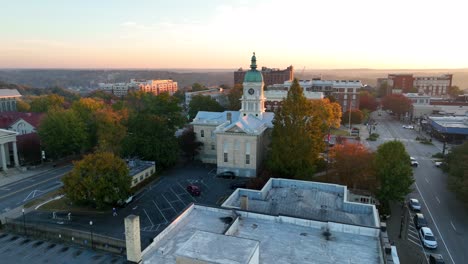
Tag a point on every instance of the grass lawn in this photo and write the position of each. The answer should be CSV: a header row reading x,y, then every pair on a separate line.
x,y
65,204
339,132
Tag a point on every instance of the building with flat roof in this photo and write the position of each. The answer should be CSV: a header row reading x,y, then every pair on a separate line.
x,y
204,234
451,129
139,170
346,92
270,75
306,200
407,83
158,86
320,225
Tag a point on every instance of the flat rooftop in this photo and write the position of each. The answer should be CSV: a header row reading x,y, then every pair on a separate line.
x,y
137,166
18,249
307,200
248,236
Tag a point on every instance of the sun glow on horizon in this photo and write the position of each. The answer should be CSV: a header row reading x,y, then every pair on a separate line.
x,y
316,35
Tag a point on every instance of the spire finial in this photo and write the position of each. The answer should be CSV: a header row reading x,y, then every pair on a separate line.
x,y
253,64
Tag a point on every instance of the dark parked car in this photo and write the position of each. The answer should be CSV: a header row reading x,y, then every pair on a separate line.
x,y
419,220
226,175
236,185
193,190
436,259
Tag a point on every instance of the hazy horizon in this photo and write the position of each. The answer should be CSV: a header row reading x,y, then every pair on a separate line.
x,y
211,34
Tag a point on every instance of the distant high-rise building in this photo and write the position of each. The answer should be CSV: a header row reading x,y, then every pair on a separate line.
x,y
270,75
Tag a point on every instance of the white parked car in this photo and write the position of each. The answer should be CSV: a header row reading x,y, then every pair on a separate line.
x,y
414,162
414,204
427,237
408,126
438,163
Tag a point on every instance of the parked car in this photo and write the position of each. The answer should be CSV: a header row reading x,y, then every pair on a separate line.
x,y
414,162
438,164
236,185
408,126
427,237
436,259
193,190
124,203
419,221
414,204
226,175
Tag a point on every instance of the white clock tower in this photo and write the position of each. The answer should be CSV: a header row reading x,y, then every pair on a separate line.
x,y
253,100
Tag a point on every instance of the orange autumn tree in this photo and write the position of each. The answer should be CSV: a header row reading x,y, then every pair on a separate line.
x,y
353,166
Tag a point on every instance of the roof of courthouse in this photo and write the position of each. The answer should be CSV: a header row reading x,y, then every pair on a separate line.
x,y
22,250
306,200
226,236
9,118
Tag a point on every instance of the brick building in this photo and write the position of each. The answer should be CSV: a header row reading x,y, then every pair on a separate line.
x,y
159,86
407,83
270,75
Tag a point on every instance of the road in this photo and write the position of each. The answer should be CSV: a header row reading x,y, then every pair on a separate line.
x,y
18,193
447,217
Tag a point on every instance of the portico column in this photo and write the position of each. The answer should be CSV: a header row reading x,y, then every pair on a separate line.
x,y
2,150
15,154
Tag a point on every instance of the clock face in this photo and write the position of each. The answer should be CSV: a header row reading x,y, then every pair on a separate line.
x,y
251,91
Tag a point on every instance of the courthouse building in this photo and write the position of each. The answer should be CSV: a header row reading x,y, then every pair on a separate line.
x,y
236,140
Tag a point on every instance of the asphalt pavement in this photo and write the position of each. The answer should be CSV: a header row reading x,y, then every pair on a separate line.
x,y
447,216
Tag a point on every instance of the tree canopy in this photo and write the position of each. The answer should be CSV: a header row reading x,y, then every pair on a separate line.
x,y
99,179
203,103
297,136
63,133
234,96
198,87
44,103
353,166
357,116
457,167
454,91
367,101
188,143
393,171
397,103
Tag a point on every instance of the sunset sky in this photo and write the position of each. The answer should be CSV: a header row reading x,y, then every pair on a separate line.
x,y
316,34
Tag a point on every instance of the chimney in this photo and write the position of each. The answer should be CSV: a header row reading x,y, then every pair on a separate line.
x,y
132,238
229,117
244,202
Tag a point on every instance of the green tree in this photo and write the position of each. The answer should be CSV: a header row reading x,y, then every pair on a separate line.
x,y
234,97
357,116
99,179
383,89
179,94
188,143
62,132
457,167
86,109
393,171
22,106
198,87
454,91
44,103
203,103
297,136
110,131
152,123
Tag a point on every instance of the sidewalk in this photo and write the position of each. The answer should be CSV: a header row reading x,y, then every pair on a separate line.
x,y
16,174
408,252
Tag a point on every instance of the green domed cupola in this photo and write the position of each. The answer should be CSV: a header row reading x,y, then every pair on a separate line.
x,y
253,75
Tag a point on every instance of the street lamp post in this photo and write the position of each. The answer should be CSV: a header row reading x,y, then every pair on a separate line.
x,y
91,231
24,222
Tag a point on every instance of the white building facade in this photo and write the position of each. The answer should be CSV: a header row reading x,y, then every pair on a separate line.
x,y
236,140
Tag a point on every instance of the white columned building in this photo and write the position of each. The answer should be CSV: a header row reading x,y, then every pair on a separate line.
x,y
7,137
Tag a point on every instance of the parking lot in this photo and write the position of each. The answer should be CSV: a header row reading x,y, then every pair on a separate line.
x,y
157,205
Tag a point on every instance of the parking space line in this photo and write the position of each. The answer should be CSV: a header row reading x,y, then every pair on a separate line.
x,y
414,232
159,210
416,243
453,226
187,192
204,184
426,180
148,217
177,196
437,198
169,203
